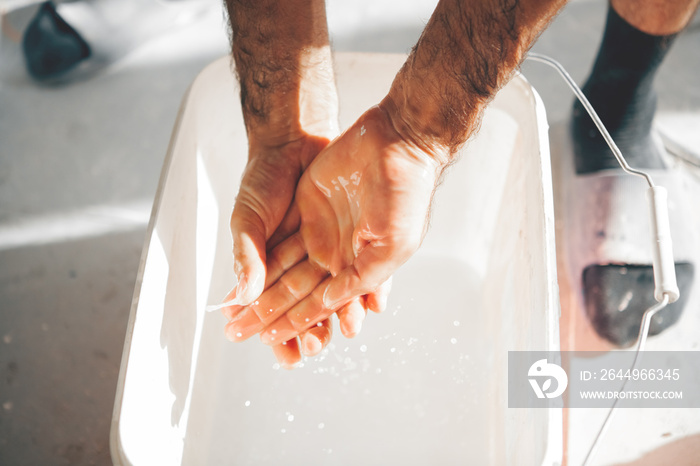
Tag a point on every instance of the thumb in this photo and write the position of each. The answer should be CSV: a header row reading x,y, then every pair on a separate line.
x,y
248,232
372,267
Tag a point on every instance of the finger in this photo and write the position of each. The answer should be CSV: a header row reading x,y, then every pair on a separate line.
x,y
316,338
292,287
283,257
304,315
243,325
286,255
351,317
289,225
288,354
248,232
372,267
230,311
377,300
265,195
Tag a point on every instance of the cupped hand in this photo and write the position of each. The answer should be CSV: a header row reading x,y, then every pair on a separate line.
x,y
364,205
259,225
290,279
265,196
267,188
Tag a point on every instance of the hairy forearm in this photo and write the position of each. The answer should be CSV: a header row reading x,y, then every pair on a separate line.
x,y
467,52
283,62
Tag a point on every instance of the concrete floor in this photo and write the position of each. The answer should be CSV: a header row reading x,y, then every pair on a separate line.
x,y
79,165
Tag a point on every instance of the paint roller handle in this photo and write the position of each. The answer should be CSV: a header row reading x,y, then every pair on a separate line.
x,y
662,246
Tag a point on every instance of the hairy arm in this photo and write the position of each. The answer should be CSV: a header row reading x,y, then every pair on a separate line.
x,y
283,62
467,52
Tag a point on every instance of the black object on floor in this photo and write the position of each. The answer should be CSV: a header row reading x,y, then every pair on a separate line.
x,y
617,296
51,46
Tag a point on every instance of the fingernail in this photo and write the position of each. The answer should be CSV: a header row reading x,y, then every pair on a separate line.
x,y
350,326
311,345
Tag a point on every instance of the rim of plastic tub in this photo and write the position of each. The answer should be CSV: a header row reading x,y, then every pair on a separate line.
x,y
554,443
115,445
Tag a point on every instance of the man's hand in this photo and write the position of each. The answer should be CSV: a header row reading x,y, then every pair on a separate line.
x,y
289,102
291,277
267,188
364,201
364,206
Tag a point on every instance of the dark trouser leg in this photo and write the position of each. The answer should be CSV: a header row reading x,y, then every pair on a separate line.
x,y
620,88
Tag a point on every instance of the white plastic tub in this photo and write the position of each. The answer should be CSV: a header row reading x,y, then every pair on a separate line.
x,y
424,383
